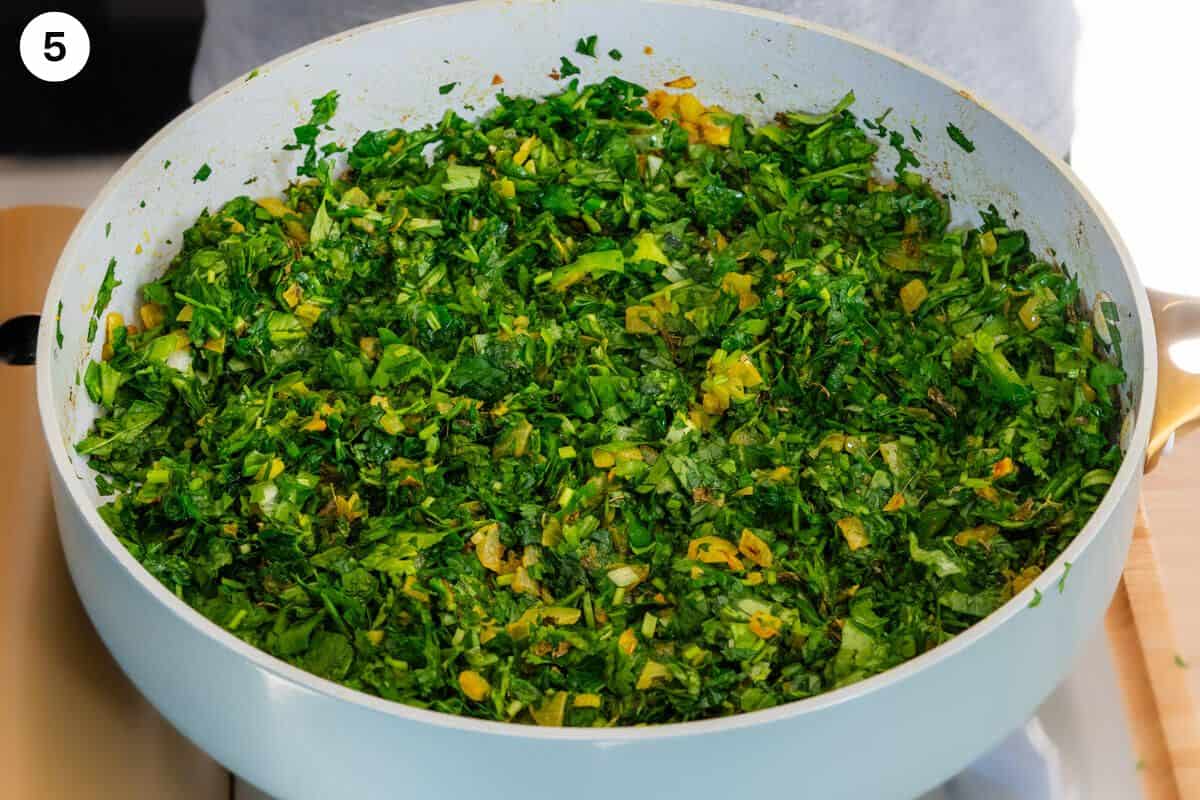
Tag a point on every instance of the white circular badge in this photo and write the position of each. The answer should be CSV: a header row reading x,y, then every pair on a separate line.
x,y
55,46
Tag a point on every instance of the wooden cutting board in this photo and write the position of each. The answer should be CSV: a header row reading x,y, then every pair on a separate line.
x,y
1154,677
72,725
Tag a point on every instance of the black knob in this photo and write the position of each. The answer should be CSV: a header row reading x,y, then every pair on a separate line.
x,y
18,340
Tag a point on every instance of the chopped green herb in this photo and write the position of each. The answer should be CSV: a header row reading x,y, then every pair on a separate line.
x,y
960,138
586,46
323,109
572,414
103,298
58,333
447,88
566,68
907,157
1037,598
253,74
758,96
817,120
916,132
1062,582
201,174
615,54
167,164
107,229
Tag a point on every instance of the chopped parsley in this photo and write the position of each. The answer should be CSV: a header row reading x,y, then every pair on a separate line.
x,y
586,46
566,68
447,88
58,332
323,109
103,298
960,138
606,408
907,157
202,173
615,54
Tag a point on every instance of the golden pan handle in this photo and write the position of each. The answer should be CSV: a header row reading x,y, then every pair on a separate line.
x,y
1176,319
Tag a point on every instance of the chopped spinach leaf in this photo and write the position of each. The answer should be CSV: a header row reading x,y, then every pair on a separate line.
x,y
566,68
103,298
960,138
605,408
586,46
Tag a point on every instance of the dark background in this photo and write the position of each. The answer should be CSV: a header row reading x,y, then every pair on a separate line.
x,y
135,80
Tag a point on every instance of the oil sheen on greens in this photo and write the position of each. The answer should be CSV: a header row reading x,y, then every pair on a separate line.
x,y
600,411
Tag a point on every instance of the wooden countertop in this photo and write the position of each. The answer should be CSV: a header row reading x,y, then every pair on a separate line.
x,y
1173,553
73,726
1171,495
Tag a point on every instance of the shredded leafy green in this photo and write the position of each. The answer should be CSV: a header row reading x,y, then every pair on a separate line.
x,y
960,138
103,298
323,109
201,174
586,46
566,68
817,120
603,409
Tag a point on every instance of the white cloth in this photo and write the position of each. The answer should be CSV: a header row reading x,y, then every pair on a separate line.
x,y
1018,55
